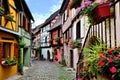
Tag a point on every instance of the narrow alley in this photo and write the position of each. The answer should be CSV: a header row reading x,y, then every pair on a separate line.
x,y
45,70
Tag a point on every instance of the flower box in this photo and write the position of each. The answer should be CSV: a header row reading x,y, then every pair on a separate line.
x,y
11,63
101,12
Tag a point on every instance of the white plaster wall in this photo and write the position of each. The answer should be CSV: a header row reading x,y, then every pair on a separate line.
x,y
75,57
44,52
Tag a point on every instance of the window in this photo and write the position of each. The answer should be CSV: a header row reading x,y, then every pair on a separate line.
x,y
24,22
70,33
78,30
6,50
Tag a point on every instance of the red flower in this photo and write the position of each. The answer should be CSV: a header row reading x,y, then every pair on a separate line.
x,y
100,53
115,58
113,69
104,57
110,60
110,50
102,63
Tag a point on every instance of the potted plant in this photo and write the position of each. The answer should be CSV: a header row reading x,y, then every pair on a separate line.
x,y
57,47
76,44
9,62
10,16
99,10
38,48
22,44
57,39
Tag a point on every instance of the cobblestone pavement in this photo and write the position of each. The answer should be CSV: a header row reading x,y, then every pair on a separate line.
x,y
45,70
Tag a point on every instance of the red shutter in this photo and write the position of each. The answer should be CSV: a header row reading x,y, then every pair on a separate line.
x,y
0,52
16,51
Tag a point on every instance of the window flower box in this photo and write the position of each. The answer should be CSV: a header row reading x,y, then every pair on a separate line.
x,y
10,16
96,12
8,62
101,12
57,39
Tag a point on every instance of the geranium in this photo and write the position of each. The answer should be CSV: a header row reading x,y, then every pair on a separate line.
x,y
113,69
110,60
110,63
102,63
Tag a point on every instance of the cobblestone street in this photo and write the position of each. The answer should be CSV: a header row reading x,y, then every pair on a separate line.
x,y
45,70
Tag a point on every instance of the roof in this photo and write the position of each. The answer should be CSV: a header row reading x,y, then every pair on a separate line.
x,y
48,20
64,6
22,6
36,29
54,28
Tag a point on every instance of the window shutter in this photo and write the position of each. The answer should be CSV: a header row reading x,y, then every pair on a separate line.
x,y
1,51
16,51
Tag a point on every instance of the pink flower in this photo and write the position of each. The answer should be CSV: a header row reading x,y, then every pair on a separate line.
x,y
110,60
115,58
81,7
88,3
110,50
113,69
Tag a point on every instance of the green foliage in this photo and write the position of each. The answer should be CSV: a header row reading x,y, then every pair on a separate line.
x,y
21,42
88,11
57,47
63,62
76,44
20,64
8,60
91,57
38,48
57,39
2,9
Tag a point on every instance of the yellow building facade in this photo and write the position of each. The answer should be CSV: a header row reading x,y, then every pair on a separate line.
x,y
8,38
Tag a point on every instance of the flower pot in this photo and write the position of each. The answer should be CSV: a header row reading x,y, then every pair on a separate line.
x,y
101,12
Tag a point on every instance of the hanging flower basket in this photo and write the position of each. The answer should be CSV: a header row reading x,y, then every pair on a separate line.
x,y
101,12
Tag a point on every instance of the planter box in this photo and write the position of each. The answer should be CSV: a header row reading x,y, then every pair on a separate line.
x,y
8,65
101,12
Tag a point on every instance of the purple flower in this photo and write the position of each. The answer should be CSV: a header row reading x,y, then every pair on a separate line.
x,y
88,3
81,8
102,1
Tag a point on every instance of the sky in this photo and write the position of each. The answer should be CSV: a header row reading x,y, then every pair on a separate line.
x,y
42,9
